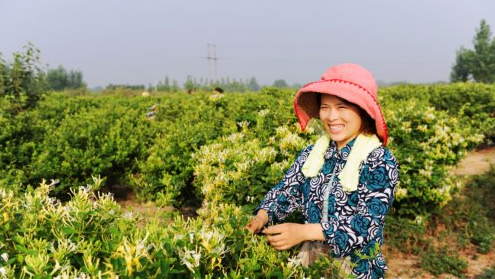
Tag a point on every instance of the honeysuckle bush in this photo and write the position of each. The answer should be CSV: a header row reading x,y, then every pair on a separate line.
x,y
427,144
91,236
103,141
232,150
241,168
185,124
15,146
472,103
432,127
79,139
71,138
192,121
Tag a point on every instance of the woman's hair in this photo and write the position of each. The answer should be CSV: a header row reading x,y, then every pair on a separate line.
x,y
368,126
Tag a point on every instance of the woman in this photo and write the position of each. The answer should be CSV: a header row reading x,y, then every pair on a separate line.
x,y
344,183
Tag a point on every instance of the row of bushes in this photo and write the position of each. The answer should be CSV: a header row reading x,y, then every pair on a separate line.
x,y
73,138
90,236
226,152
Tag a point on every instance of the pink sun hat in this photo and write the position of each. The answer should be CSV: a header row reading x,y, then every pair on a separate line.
x,y
347,81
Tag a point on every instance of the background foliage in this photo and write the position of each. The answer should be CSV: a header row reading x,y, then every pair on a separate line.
x,y
71,138
218,153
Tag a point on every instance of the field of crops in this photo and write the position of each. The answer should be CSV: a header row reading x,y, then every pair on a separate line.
x,y
220,155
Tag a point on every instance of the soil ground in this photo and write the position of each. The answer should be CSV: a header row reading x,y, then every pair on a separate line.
x,y
408,266
401,266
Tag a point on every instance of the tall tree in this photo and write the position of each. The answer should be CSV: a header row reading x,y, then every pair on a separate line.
x,y
75,80
478,64
22,81
253,84
59,79
280,83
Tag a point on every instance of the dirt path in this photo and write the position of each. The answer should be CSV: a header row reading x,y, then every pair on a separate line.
x,y
476,162
408,266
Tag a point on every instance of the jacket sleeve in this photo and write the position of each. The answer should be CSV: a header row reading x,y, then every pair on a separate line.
x,y
379,176
285,197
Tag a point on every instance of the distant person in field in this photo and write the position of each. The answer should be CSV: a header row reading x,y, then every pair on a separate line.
x,y
218,90
217,94
344,184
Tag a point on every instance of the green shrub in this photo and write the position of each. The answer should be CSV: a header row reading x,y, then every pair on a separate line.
x,y
481,215
426,142
472,103
74,138
443,260
405,235
488,273
188,122
241,168
90,236
470,214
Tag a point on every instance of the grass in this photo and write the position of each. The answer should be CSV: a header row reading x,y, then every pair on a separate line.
x,y
488,273
442,242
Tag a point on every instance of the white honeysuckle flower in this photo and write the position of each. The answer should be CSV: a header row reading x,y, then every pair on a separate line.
x,y
220,250
5,257
429,115
3,272
235,137
190,258
243,124
426,173
54,182
419,220
263,112
294,262
197,257
85,189
128,215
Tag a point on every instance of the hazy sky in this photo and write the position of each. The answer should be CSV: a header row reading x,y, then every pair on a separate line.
x,y
141,42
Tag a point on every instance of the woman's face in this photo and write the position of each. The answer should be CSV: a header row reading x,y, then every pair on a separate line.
x,y
341,119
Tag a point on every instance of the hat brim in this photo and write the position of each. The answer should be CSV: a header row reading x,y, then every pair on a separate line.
x,y
306,102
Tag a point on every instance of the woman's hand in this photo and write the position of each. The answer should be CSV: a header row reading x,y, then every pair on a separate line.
x,y
258,222
287,235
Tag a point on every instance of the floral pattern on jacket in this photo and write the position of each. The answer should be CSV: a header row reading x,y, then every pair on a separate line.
x,y
355,219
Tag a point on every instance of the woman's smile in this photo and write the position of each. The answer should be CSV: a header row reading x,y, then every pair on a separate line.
x,y
341,118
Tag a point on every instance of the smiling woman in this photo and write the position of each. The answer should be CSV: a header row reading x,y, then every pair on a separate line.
x,y
344,183
342,120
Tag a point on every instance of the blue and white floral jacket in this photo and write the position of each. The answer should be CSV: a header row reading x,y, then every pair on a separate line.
x,y
355,219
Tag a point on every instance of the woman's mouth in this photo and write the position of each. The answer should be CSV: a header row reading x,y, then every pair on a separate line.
x,y
336,128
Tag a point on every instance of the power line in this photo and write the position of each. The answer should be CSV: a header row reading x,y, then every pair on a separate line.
x,y
212,59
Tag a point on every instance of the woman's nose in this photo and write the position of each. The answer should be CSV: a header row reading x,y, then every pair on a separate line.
x,y
331,115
